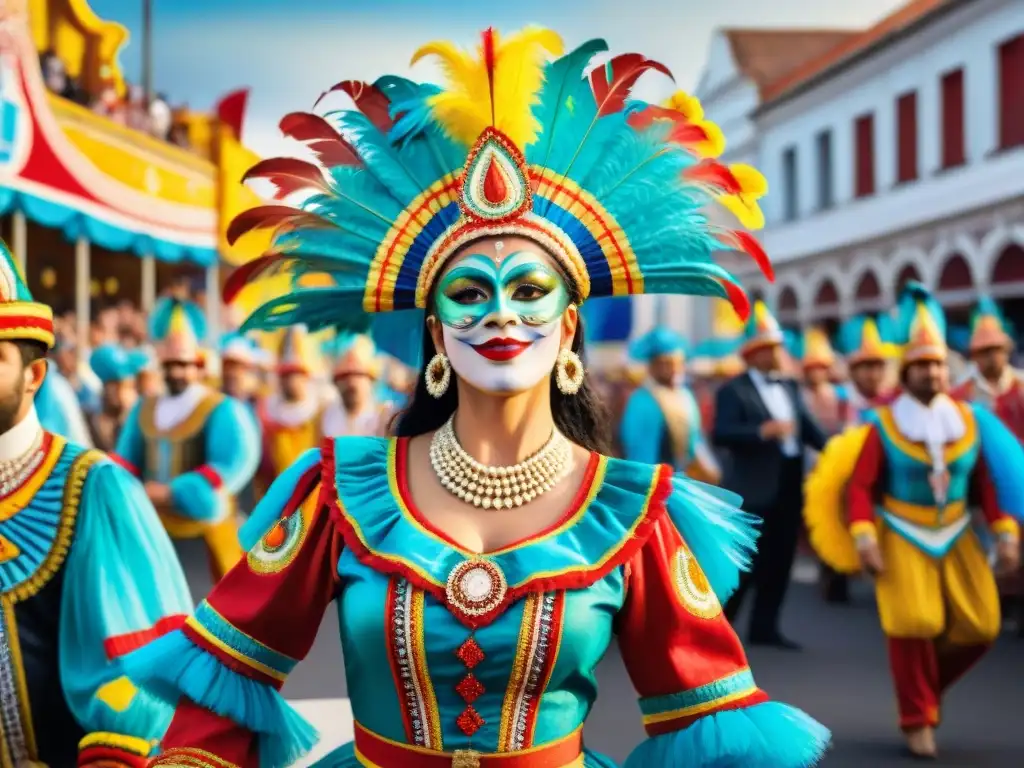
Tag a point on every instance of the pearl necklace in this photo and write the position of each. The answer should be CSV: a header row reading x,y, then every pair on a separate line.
x,y
14,471
498,487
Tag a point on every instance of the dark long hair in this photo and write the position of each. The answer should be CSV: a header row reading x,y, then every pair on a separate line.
x,y
582,417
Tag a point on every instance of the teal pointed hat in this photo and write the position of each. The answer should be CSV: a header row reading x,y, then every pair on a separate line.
x,y
178,328
989,329
356,355
238,348
762,329
21,318
660,341
921,325
862,339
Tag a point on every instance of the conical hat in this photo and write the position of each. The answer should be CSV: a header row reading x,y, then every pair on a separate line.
x,y
816,349
296,352
21,318
988,328
358,357
762,329
177,328
922,325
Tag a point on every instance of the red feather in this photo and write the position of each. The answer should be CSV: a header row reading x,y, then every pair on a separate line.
x,y
369,100
272,216
487,44
646,117
686,134
748,244
248,272
613,81
738,299
288,174
320,137
713,174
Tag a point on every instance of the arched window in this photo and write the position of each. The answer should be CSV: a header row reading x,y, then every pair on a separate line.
x,y
955,275
905,275
827,296
1009,267
787,300
868,288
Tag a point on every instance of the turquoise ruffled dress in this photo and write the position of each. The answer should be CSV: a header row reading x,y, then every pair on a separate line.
x,y
453,653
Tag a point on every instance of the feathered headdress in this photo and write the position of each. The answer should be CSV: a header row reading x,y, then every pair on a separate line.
x,y
21,318
988,327
111,362
862,339
178,328
658,342
762,329
921,325
515,144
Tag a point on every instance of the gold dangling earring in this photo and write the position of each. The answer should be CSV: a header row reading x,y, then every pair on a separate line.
x,y
438,375
568,372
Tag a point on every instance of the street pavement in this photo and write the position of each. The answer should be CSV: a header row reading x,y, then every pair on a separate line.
x,y
841,678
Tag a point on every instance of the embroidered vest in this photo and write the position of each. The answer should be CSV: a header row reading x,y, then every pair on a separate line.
x,y
37,524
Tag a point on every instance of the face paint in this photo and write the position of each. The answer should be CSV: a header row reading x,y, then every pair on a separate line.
x,y
501,322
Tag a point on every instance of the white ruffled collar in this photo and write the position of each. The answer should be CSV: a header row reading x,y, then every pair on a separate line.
x,y
936,424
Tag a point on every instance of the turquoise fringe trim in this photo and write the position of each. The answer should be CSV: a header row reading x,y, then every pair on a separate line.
x,y
768,735
173,666
1004,458
722,537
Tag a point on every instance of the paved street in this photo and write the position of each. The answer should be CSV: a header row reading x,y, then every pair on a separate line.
x,y
841,678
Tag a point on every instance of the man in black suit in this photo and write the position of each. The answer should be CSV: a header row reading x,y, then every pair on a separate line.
x,y
762,421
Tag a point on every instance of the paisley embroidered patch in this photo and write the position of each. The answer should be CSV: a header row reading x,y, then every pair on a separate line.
x,y
279,546
692,586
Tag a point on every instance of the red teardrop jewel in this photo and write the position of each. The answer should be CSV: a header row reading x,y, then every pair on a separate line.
x,y
495,186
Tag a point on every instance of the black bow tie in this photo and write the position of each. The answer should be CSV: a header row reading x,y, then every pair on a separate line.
x,y
776,378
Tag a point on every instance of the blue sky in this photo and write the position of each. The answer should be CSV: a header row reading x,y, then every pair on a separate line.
x,y
288,51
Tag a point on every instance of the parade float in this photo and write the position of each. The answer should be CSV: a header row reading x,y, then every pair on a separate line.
x,y
94,210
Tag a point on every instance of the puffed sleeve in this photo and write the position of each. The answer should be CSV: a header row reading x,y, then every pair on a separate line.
x,y
224,668
232,455
1003,457
130,452
123,587
700,704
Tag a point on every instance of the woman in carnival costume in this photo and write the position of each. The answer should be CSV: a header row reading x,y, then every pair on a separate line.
x,y
483,560
892,496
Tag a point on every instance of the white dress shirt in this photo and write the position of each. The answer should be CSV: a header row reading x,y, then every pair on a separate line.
x,y
780,406
19,439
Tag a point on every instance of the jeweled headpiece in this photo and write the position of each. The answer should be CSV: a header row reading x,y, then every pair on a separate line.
x,y
515,144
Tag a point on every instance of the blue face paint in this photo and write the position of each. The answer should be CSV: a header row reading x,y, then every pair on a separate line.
x,y
523,284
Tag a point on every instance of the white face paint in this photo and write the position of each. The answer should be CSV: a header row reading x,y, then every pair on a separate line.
x,y
501,323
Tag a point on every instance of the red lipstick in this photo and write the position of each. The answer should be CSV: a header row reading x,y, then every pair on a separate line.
x,y
501,350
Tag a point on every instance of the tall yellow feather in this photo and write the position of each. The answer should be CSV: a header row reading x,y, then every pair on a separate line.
x,y
464,109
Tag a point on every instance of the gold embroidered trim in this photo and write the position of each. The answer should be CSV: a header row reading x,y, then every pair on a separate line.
x,y
692,586
131,744
190,758
65,529
20,681
184,429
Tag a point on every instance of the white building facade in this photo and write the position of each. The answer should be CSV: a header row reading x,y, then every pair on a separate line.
x,y
897,154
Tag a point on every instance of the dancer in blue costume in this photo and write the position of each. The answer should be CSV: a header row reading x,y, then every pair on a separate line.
x,y
662,421
118,370
86,574
195,448
483,560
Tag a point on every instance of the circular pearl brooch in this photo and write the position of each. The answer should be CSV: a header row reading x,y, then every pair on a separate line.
x,y
498,487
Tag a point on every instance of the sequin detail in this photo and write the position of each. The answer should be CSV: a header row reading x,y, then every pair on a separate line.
x,y
407,651
469,688
469,721
470,653
692,586
536,650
